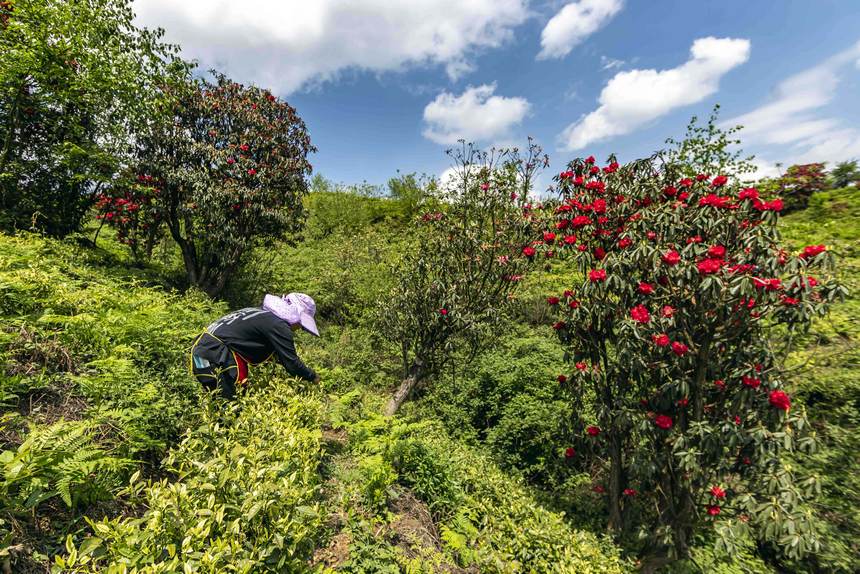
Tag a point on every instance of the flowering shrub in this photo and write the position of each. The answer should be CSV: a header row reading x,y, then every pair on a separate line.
x,y
798,184
469,256
684,282
226,172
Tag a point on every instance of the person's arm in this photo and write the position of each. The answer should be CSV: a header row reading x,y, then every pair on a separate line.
x,y
281,338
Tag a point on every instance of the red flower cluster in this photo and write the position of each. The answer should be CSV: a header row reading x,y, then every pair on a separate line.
x,y
751,382
671,257
713,510
812,250
718,492
679,348
661,340
552,300
780,400
529,251
645,288
562,379
593,431
597,275
663,421
569,452
629,492
640,314
710,266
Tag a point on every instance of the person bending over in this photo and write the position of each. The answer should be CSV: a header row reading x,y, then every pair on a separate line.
x,y
221,354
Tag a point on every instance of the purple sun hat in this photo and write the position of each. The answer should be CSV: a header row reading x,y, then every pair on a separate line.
x,y
294,308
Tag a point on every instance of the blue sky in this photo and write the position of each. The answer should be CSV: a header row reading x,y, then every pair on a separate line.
x,y
387,85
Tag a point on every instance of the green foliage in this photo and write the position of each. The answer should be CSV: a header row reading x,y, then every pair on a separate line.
x,y
797,185
224,171
244,497
824,368
845,173
488,520
85,340
468,260
76,79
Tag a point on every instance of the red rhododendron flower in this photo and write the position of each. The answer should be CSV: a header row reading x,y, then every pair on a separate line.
x,y
569,239
789,301
243,147
667,311
720,384
719,181
672,257
694,239
529,251
812,251
599,253
670,191
549,237
629,492
581,220
597,275
581,366
780,400
717,251
252,171
709,266
485,186
713,509
683,402
559,325
582,247
660,340
737,420
663,421
598,489
552,300
569,452
679,348
590,159
611,168
645,288
686,182
443,312
573,304
748,193
701,177
651,235
230,161
562,379
718,492
751,382
640,314
593,430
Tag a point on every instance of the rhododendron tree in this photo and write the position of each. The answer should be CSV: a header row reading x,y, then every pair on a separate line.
x,y
467,260
226,172
684,286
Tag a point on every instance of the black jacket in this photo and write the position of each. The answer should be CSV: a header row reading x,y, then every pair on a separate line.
x,y
256,334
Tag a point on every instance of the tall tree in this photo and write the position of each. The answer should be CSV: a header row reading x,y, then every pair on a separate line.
x,y
225,171
76,79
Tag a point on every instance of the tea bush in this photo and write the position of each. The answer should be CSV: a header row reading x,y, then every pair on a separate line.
x,y
244,496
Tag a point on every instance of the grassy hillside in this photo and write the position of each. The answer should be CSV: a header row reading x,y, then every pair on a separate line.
x,y
112,460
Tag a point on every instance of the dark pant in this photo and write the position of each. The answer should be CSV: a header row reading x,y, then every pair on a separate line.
x,y
214,377
215,368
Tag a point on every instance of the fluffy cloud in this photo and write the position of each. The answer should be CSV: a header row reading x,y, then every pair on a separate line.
x,y
792,117
573,24
633,98
289,44
475,115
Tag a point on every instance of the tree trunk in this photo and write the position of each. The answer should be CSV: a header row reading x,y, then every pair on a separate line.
x,y
403,392
616,522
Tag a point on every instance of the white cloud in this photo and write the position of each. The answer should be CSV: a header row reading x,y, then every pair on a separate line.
x,y
635,97
792,117
289,44
573,24
477,115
